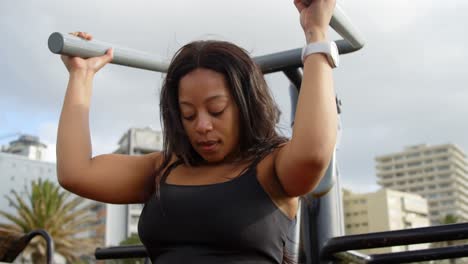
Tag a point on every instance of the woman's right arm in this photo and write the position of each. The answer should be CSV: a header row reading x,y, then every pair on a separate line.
x,y
110,178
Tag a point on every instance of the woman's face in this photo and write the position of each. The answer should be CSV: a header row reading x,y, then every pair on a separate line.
x,y
209,114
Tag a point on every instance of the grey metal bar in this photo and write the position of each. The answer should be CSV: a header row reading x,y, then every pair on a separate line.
x,y
420,255
284,60
322,216
396,238
352,39
353,257
294,75
74,46
61,43
121,252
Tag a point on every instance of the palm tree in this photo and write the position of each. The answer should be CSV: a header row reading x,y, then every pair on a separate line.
x,y
62,215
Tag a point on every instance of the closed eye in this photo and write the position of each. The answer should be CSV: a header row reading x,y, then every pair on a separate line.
x,y
189,118
217,113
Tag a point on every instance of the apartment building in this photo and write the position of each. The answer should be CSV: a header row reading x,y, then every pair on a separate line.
x,y
437,173
384,210
122,220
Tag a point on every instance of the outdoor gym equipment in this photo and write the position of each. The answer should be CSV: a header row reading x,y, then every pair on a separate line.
x,y
12,244
319,234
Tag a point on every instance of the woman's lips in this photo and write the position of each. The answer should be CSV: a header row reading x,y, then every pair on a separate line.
x,y
208,146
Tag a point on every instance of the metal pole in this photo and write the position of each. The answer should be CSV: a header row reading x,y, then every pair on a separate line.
x,y
60,43
67,44
49,243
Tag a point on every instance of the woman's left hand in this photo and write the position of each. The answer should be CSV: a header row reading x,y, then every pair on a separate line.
x,y
315,18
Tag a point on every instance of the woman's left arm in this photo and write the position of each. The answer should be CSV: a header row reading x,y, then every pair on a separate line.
x,y
301,163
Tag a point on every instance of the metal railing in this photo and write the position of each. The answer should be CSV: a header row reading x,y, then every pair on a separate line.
x,y
343,248
12,244
340,247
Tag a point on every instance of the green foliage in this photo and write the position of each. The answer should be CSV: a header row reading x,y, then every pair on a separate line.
x,y
449,219
134,239
47,206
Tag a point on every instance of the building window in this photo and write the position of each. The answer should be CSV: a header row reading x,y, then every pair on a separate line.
x,y
444,167
445,185
444,176
413,155
442,150
386,160
134,220
413,164
447,202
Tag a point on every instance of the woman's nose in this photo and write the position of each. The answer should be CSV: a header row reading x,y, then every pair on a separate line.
x,y
204,124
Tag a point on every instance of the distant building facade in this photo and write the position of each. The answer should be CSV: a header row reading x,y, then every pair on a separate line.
x,y
437,173
384,210
27,146
21,163
122,220
17,172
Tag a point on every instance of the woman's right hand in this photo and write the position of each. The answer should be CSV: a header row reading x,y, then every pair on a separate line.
x,y
90,65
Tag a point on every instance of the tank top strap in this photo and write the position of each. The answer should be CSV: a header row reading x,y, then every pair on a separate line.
x,y
169,169
253,165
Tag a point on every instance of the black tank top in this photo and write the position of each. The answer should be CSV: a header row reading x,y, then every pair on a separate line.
x,y
230,222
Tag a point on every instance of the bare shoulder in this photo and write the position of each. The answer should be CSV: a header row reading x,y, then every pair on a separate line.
x,y
270,182
298,174
114,178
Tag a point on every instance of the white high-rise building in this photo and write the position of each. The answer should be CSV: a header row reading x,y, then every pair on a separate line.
x,y
437,173
122,220
384,210
17,172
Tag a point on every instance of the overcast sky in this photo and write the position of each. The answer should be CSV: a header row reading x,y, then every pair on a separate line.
x,y
407,86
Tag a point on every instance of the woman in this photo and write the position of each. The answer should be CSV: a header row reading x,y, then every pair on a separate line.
x,y
225,187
